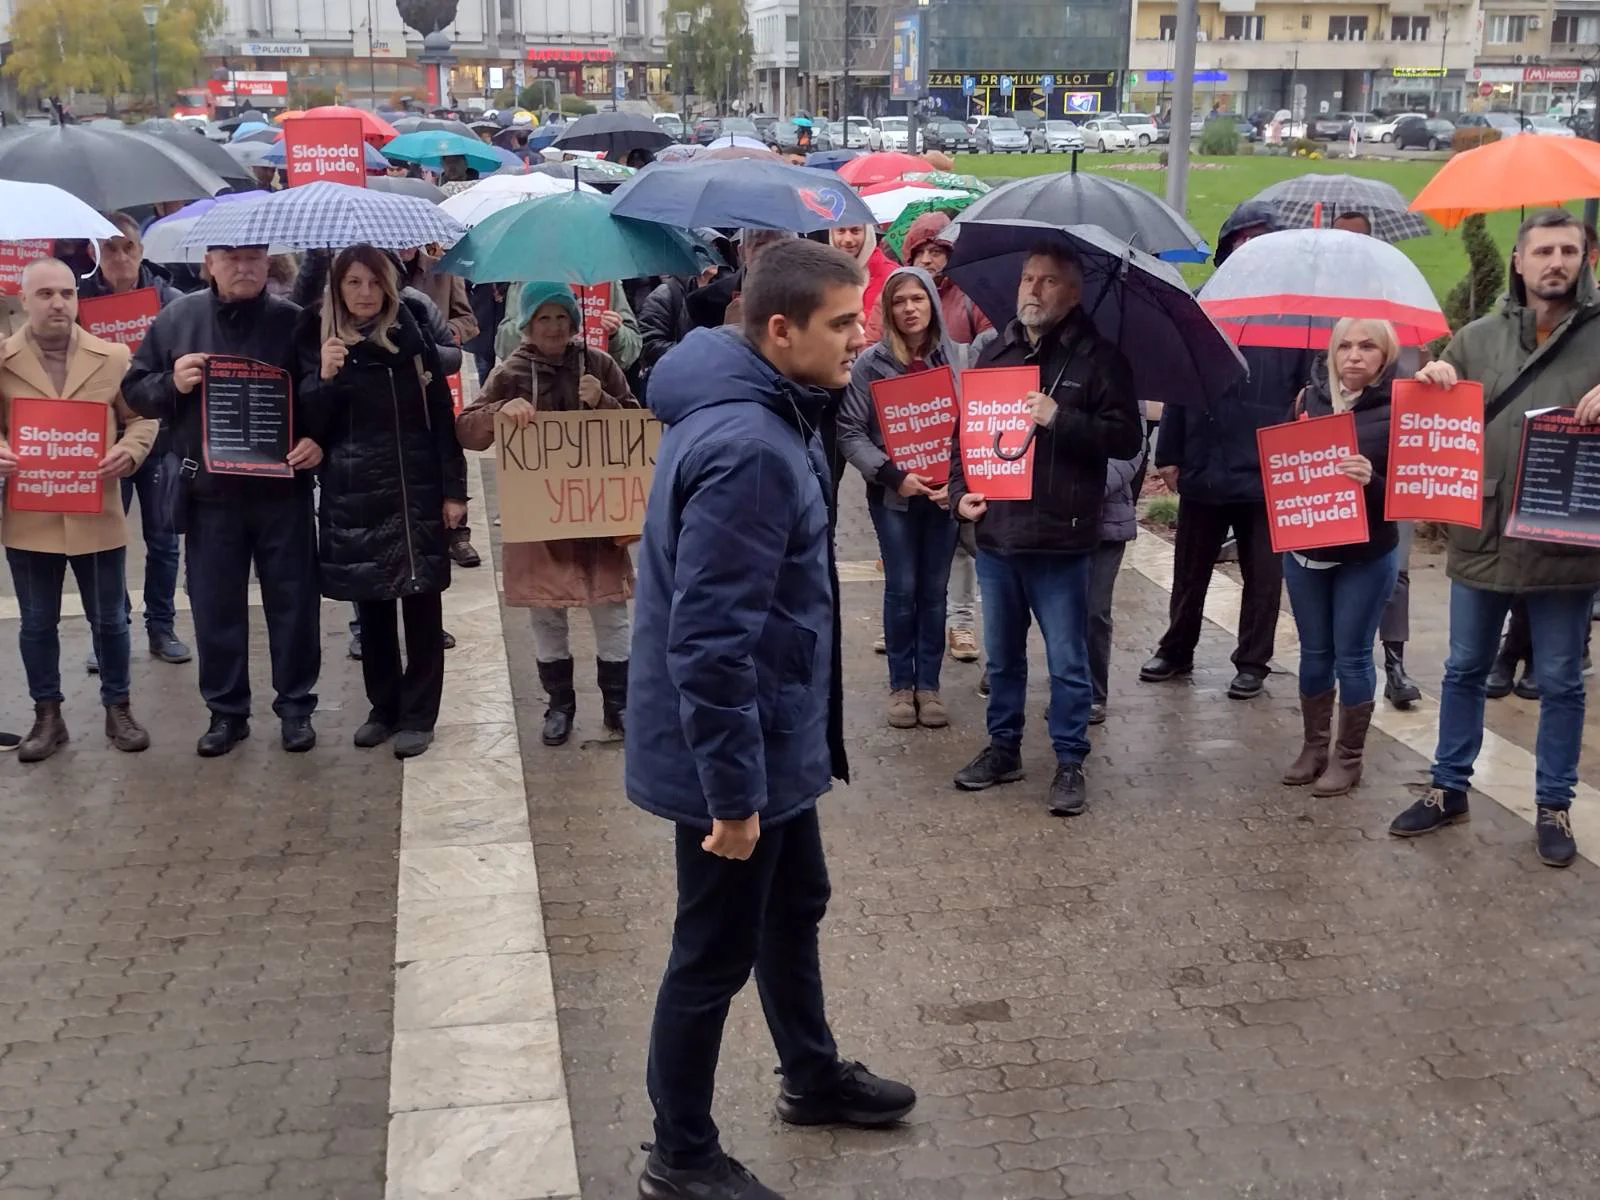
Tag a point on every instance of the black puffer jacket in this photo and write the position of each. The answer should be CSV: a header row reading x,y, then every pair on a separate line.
x,y
390,460
1371,411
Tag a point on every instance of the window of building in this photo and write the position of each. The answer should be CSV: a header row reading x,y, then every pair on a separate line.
x,y
1408,29
791,28
1305,21
1347,29
1575,28
1169,29
1504,29
630,13
1243,28
863,22
508,13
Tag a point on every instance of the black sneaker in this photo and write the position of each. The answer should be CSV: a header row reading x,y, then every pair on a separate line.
x,y
1246,685
1501,677
1067,791
1528,686
1556,845
857,1097
1097,714
994,764
373,732
727,1179
983,683
1437,808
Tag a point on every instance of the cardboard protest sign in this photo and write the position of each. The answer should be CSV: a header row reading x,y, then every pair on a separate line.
x,y
16,255
122,318
1435,454
1309,503
993,401
1558,481
59,445
455,391
575,474
593,301
246,418
917,414
324,148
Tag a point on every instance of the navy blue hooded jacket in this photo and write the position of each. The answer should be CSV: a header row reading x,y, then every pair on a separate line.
x,y
733,685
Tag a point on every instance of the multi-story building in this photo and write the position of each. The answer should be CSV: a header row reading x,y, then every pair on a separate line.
x,y
775,68
1537,57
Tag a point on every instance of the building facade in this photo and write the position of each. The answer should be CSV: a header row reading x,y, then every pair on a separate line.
x,y
775,67
1537,58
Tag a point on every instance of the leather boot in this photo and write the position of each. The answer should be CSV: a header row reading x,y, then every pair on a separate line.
x,y
1317,714
125,733
556,678
1398,688
613,680
1501,676
49,733
1344,771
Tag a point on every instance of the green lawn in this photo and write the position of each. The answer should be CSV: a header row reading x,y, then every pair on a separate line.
x,y
1216,185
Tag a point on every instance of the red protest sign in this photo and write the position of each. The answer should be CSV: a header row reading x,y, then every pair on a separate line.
x,y
324,148
993,403
59,445
1435,454
917,414
122,318
1309,504
455,391
593,301
13,257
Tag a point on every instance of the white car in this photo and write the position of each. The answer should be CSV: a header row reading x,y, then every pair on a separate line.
x,y
1142,127
999,135
1550,127
1059,137
1108,134
857,131
1383,131
892,133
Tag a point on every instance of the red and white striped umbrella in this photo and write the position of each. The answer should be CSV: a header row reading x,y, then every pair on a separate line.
x,y
1289,288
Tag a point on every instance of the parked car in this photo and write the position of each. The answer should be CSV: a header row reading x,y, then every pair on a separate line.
x,y
952,137
1057,137
1384,130
670,124
1143,127
893,133
1337,126
1509,124
1430,133
856,131
1550,127
999,135
765,123
1107,134
1027,120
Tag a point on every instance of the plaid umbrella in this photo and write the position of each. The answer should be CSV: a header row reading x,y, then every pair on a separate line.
x,y
1297,199
327,216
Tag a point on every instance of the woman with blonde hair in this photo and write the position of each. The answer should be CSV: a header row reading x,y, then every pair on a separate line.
x,y
1337,593
393,482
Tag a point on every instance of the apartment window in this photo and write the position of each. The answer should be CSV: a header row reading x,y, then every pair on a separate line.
x,y
1575,28
791,28
1347,29
1408,29
508,13
863,22
1305,21
1169,29
1243,28
1504,29
630,13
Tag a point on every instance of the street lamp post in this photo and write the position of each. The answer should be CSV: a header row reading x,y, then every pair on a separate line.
x,y
683,20
152,13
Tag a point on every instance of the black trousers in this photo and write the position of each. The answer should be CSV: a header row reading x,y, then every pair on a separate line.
x,y
1202,528
734,917
408,698
276,537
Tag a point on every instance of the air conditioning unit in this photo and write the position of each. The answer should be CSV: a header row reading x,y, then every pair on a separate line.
x,y
1519,58
1535,22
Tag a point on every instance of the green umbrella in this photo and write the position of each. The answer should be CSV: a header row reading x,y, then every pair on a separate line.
x,y
568,238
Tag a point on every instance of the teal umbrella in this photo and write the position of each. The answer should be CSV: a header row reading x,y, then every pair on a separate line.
x,y
429,146
568,238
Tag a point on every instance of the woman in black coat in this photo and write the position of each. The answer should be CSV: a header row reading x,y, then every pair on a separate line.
x,y
393,479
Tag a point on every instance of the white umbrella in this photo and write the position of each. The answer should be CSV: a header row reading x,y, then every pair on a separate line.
x,y
39,211
737,141
887,206
488,196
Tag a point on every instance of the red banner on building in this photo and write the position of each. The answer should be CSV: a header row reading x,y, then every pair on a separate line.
x,y
122,318
14,256
917,414
324,148
1309,503
994,404
59,446
594,299
1435,454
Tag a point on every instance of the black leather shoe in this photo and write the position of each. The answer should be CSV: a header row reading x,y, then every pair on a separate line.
x,y
225,733
1398,689
725,1179
994,764
1246,685
1501,677
856,1097
372,733
298,735
409,743
1158,669
1528,686
1068,793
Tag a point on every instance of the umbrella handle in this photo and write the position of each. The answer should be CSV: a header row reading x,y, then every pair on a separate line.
x,y
1013,455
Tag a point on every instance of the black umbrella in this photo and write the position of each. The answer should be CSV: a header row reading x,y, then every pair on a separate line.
x,y
186,139
432,125
105,170
614,134
1125,210
404,186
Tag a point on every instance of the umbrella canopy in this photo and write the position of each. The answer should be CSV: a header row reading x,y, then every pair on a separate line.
x,y
263,135
288,114
679,152
431,148
951,179
1529,171
106,170
36,211
481,201
243,121
275,156
586,170
187,140
1126,211
895,233
888,204
249,154
740,152
1138,303
737,141
164,239
733,194
881,166
1302,200
326,216
405,186
831,160
615,134
1289,288
373,127
433,125
569,238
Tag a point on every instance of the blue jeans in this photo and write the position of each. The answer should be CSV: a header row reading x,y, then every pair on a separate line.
x,y
102,583
1055,589
1337,611
1558,622
917,545
160,546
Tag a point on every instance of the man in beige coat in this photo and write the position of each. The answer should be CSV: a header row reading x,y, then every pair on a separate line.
x,y
51,358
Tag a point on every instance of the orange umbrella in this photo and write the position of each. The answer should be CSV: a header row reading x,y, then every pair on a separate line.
x,y
373,127
284,116
882,166
1522,171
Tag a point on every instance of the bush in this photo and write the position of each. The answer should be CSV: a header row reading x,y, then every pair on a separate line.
x,y
1161,512
1220,137
1473,136
1474,295
1305,148
505,98
319,98
575,106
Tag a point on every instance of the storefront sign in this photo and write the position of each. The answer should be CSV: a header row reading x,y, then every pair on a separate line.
x,y
1025,79
905,72
14,256
1309,502
1532,75
1435,454
122,318
324,148
575,474
570,54
59,445
251,84
917,415
275,49
994,403
1199,77
1418,72
382,46
1558,481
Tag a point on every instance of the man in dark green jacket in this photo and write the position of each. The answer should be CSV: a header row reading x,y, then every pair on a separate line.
x,y
1548,326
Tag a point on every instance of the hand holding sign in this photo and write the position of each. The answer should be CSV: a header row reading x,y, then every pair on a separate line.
x,y
589,391
972,506
519,412
187,373
1435,453
1041,409
914,485
1357,467
1588,410
8,460
1439,373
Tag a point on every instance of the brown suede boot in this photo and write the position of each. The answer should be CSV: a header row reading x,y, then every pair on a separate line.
x,y
1344,771
125,733
1317,714
49,733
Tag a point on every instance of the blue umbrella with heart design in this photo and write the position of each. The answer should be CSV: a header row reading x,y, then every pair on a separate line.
x,y
740,193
